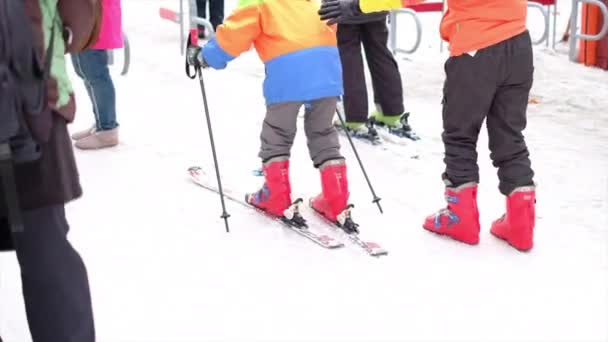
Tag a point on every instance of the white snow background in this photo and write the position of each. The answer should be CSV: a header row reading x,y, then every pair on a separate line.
x,y
162,267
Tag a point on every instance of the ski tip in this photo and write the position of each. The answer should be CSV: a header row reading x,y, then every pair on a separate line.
x,y
375,249
335,245
194,168
330,242
373,245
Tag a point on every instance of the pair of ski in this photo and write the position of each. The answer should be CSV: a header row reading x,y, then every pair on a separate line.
x,y
294,220
374,136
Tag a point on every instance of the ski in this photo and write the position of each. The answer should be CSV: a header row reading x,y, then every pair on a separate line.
x,y
346,225
293,219
402,135
371,137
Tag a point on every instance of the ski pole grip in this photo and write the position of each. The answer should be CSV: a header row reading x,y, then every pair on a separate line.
x,y
194,36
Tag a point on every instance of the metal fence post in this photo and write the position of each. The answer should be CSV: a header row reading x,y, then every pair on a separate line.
x,y
127,51
545,12
195,20
573,26
182,39
393,26
392,18
127,55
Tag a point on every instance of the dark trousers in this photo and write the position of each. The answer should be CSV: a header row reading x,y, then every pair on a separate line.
x,y
54,279
386,80
216,11
494,85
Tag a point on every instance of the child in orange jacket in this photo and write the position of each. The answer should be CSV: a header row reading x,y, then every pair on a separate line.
x,y
488,77
302,68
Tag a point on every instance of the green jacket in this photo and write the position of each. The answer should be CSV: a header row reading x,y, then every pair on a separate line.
x,y
49,12
53,179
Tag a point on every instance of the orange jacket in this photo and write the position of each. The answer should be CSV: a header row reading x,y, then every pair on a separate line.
x,y
299,51
470,25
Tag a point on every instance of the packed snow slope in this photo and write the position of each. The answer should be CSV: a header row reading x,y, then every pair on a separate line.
x,y
162,267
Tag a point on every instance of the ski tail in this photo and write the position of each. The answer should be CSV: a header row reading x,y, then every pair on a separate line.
x,y
347,225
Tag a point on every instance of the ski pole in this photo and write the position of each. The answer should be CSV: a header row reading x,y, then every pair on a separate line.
x,y
350,140
192,59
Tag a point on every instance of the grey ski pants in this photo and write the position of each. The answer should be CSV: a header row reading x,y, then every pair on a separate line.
x,y
280,126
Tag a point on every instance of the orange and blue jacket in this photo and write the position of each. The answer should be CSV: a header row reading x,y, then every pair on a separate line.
x,y
299,51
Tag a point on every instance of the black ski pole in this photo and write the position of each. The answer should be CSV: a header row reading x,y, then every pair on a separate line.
x,y
192,59
350,140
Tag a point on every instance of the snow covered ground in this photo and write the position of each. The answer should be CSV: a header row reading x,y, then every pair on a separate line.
x,y
162,268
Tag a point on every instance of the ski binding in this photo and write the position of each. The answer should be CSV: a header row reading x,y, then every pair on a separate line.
x,y
346,224
292,218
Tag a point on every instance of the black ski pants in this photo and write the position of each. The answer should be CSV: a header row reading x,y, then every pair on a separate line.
x,y
216,11
386,80
493,85
54,278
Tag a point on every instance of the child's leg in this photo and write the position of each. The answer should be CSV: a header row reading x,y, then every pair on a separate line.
x,y
467,98
506,121
278,133
353,73
322,137
386,79
507,117
92,66
279,130
324,148
468,92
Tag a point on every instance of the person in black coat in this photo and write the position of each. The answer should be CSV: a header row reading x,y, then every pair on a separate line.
x,y
54,278
370,30
216,13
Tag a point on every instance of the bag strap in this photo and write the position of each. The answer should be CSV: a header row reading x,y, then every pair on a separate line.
x,y
48,57
7,173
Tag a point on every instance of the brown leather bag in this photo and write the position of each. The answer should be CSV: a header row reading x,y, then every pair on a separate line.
x,y
98,14
82,18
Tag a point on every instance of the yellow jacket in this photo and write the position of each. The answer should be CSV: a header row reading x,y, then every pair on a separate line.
x,y
368,6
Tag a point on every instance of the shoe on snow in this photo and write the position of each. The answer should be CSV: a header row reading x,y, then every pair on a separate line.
x,y
343,220
460,219
516,226
361,130
333,199
275,195
396,125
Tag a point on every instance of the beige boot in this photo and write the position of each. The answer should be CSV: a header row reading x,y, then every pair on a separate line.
x,y
83,133
99,139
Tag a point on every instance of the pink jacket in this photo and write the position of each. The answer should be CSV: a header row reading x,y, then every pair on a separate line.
x,y
110,34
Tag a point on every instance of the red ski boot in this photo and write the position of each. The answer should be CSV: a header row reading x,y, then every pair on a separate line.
x,y
460,219
275,195
516,226
333,199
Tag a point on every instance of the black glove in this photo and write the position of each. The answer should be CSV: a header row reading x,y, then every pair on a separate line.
x,y
334,10
194,57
